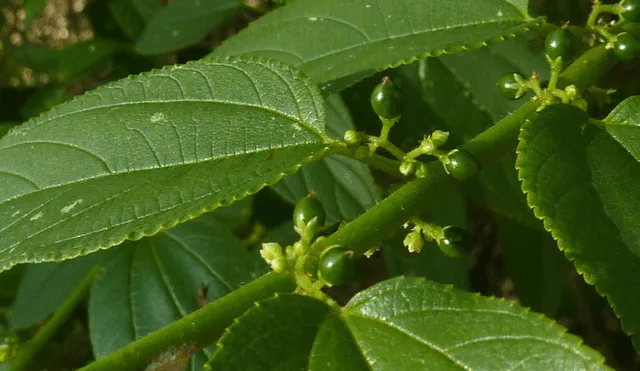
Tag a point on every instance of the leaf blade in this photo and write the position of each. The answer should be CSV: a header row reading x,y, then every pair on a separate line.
x,y
360,38
584,209
180,142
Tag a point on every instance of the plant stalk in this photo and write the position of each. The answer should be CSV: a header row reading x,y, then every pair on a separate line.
x,y
27,353
203,327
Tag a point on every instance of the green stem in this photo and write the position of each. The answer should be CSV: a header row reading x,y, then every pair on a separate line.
x,y
376,161
602,8
27,353
203,326
388,215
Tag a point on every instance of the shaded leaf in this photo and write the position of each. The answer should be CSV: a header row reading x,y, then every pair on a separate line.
x,y
132,15
151,283
582,184
184,22
532,260
277,334
45,287
361,37
183,140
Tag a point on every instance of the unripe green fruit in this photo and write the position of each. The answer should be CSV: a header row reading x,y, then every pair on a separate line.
x,y
461,164
626,47
508,86
386,100
306,209
631,10
337,266
559,43
456,242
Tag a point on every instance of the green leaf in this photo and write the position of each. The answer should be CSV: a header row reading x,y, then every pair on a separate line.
x,y
150,283
4,129
184,22
10,282
147,152
361,37
335,349
32,8
343,185
431,262
44,287
414,324
132,15
582,183
277,334
623,123
532,260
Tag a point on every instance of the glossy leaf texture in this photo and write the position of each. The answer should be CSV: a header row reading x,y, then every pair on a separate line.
x,y
133,15
44,287
623,123
184,22
150,151
361,37
431,262
582,183
153,282
343,185
400,324
282,331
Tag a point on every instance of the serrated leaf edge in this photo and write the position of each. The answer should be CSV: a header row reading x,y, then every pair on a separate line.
x,y
147,232
448,288
562,245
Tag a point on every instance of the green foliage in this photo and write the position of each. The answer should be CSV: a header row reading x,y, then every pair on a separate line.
x,y
184,22
360,37
180,108
403,323
148,284
160,117
590,205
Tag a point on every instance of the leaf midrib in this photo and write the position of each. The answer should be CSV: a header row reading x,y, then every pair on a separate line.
x,y
381,40
156,168
37,124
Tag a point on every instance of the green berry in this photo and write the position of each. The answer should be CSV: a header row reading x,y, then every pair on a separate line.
x,y
337,266
508,86
626,47
306,209
461,164
559,43
455,242
386,100
631,10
